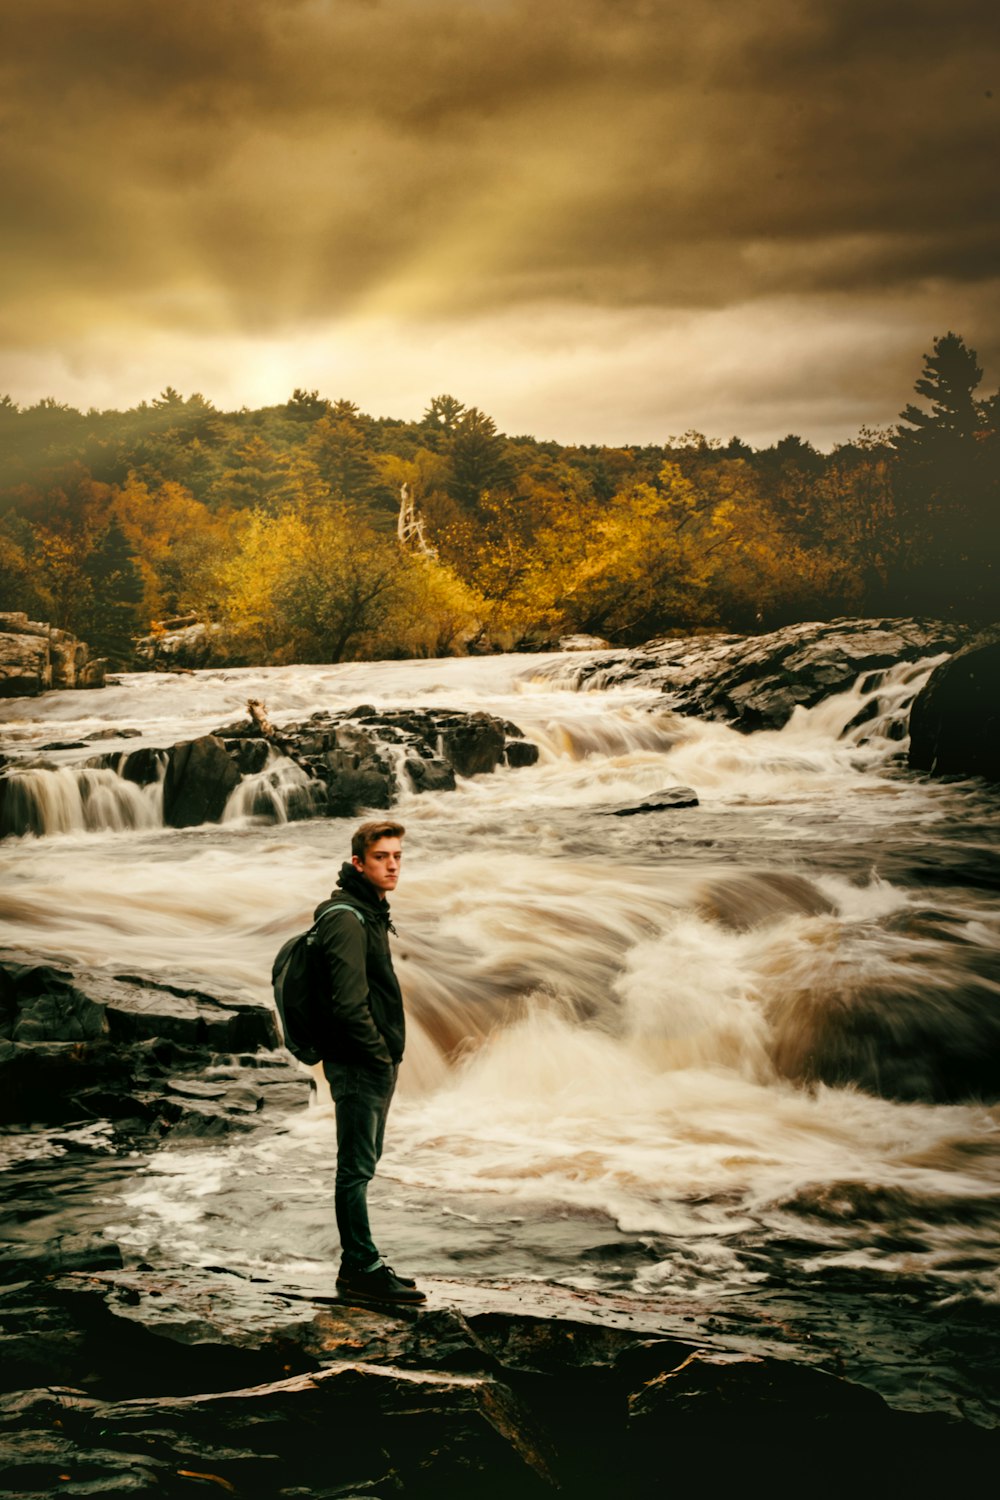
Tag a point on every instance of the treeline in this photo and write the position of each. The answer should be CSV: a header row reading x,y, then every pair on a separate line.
x,y
311,531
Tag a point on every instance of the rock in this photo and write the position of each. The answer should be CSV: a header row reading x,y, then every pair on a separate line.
x,y
430,775
143,766
182,645
200,777
520,752
25,663
583,643
671,797
35,657
89,1043
170,1378
474,747
728,1405
332,765
955,719
757,682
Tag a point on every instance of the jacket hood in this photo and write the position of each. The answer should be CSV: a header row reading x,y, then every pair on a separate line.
x,y
361,890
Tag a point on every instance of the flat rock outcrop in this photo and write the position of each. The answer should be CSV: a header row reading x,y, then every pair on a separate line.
x,y
35,657
124,1381
955,719
84,1044
757,682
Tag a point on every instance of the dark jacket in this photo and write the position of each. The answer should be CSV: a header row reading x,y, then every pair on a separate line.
x,y
365,1022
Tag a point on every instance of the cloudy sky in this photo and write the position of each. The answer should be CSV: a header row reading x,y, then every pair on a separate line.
x,y
599,220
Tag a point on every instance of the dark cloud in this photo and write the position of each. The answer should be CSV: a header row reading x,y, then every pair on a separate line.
x,y
261,163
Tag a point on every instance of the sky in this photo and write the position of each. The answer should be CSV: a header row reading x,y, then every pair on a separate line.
x,y
600,221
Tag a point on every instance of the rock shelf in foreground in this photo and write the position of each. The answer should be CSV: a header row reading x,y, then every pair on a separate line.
x,y
171,1383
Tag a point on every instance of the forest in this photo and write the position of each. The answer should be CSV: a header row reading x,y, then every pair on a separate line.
x,y
310,531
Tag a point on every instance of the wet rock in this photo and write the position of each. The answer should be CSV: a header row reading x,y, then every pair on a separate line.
x,y
955,719
200,777
112,734
203,1373
90,1044
757,682
520,752
249,755
430,775
143,766
474,747
670,798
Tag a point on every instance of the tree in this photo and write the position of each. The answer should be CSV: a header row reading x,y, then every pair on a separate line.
x,y
339,448
178,545
117,590
308,585
306,406
949,486
948,381
441,418
478,456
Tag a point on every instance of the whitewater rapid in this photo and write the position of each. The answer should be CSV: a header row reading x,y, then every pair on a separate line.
x,y
612,1020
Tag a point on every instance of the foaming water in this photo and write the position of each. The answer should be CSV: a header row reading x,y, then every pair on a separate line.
x,y
692,1050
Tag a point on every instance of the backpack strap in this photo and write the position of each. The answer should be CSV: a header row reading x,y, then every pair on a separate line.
x,y
333,906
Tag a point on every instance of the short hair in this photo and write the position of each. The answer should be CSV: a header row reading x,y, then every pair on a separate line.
x,y
369,833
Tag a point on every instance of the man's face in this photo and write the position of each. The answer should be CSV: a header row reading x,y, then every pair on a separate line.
x,y
381,864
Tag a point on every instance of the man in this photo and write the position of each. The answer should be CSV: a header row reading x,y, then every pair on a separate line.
x,y
362,1047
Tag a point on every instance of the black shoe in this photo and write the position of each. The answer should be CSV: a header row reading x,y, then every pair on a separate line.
x,y
403,1280
380,1285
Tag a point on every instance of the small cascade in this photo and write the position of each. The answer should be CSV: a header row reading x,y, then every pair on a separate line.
x,y
874,713
278,793
77,799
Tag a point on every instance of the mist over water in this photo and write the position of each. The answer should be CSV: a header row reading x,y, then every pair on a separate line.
x,y
726,1052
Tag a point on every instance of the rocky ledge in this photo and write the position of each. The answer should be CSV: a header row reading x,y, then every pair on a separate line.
x,y
197,1380
35,657
757,682
151,1057
330,765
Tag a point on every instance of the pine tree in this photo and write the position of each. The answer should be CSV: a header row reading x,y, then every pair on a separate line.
x,y
115,616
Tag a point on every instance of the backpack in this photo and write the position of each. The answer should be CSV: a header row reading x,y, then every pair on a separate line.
x,y
301,990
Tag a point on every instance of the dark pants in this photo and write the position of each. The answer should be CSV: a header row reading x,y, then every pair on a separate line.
x,y
362,1097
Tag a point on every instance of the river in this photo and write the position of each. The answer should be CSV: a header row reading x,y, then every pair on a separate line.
x,y
619,1027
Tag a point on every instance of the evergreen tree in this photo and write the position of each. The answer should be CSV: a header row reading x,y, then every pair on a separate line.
x,y
115,616
479,460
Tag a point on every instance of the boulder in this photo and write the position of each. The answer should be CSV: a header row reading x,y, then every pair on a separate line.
x,y
474,747
429,775
583,643
199,779
955,719
25,663
520,752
